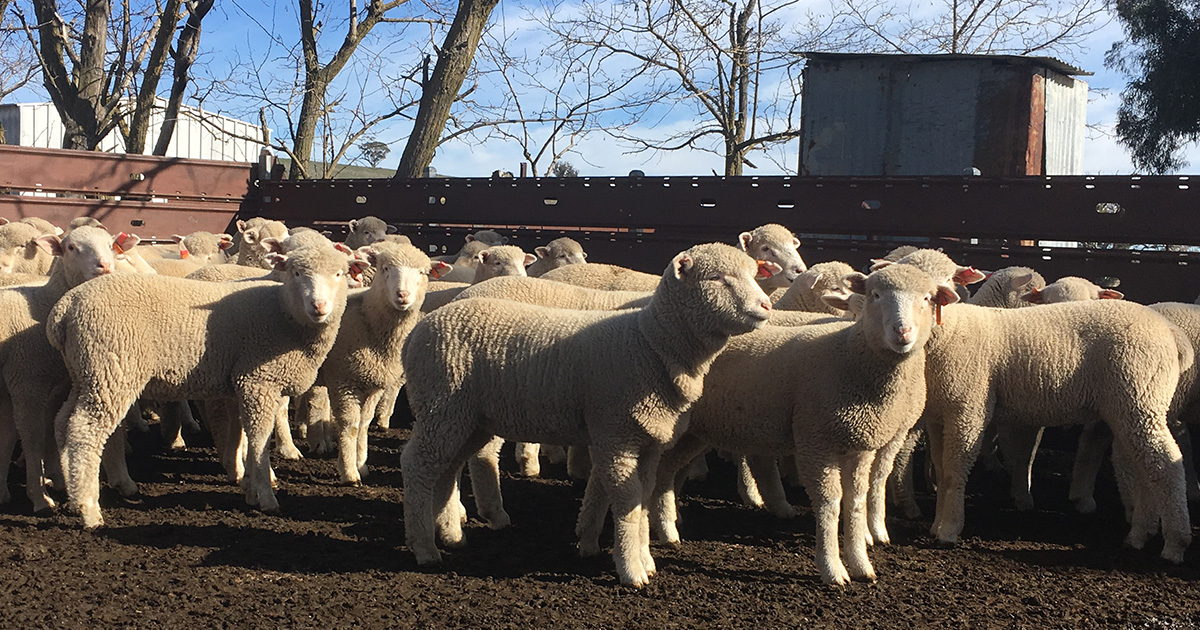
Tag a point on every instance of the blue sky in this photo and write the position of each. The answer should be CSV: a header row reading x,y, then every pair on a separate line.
x,y
235,30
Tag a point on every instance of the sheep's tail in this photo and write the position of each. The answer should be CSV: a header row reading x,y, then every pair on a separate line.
x,y
1187,354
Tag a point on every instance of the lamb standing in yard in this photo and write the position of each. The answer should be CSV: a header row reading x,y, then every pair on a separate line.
x,y
365,361
471,365
557,253
254,342
34,379
851,390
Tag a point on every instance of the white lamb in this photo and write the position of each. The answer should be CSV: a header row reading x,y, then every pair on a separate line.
x,y
603,276
851,390
557,253
366,231
777,244
493,262
471,365
255,342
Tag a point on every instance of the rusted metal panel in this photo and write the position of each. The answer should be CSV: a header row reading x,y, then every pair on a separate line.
x,y
55,170
1035,135
148,220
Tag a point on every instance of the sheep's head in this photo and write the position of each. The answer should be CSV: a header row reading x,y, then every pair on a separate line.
x,y
1069,289
899,306
366,231
562,252
777,244
502,260
314,283
86,252
936,264
18,247
204,248
252,253
402,273
718,285
823,283
79,222
490,238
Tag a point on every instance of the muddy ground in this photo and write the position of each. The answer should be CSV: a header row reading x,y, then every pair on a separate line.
x,y
188,552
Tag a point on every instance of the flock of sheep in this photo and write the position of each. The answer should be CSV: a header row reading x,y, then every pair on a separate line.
x,y
823,376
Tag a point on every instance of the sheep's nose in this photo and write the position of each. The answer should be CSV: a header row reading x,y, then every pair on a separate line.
x,y
403,295
905,332
799,269
321,307
104,267
765,304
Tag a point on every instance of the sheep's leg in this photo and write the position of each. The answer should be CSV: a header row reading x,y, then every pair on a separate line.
x,y
881,470
347,413
226,433
1089,457
450,515
174,417
617,469
368,414
429,463
664,512
1184,439
60,434
647,475
283,434
554,453
484,466
258,410
900,484
8,442
113,458
93,420
31,404
747,485
527,458
317,410
1020,444
821,476
856,480
1135,500
387,406
1158,468
591,514
765,471
579,462
962,435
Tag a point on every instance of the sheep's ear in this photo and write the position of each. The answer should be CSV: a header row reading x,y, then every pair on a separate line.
x,y
482,256
4,221
226,242
585,255
470,238
50,243
359,265
744,240
241,225
1033,296
277,261
856,282
272,245
945,295
367,253
840,301
808,282
438,268
391,229
766,269
967,275
127,241
880,263
529,259
1111,294
795,242
250,236
682,265
542,252
58,231
353,224
1016,282
177,238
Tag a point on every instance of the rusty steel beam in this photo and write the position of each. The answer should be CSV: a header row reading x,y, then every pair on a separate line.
x,y
1078,208
91,172
147,219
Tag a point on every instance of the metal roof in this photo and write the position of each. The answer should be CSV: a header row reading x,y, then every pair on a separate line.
x,y
1046,62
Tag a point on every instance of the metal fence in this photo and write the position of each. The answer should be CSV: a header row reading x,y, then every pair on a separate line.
x,y
642,221
154,197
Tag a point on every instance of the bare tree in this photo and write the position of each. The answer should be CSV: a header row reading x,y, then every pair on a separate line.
x,y
1016,27
17,62
730,61
184,55
93,60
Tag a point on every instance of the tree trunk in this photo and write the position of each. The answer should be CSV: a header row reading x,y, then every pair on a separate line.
x,y
306,125
454,61
185,55
76,94
139,121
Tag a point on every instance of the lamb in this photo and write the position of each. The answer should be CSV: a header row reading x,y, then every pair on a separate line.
x,y
1070,289
494,262
471,365
366,231
777,244
602,276
558,253
1054,365
19,251
205,247
464,263
34,378
855,388
84,222
365,360
255,342
251,252
808,289
43,226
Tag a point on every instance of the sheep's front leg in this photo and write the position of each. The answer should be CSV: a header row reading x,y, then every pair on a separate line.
x,y
258,410
527,458
647,476
283,434
821,476
856,478
368,415
93,420
1019,445
617,469
347,413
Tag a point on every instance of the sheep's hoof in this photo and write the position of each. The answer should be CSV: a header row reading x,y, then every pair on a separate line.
x,y
636,581
836,576
1024,503
782,511
588,550
1136,541
178,444
429,560
127,488
290,453
459,543
353,483
1086,505
1173,553
498,520
384,422
44,505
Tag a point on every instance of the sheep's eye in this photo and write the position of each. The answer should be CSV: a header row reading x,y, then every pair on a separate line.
x,y
874,295
339,275
928,298
296,273
766,248
716,276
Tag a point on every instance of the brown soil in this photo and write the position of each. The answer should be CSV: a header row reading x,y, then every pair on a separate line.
x,y
188,552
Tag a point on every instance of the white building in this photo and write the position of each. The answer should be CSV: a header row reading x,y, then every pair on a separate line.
x,y
198,134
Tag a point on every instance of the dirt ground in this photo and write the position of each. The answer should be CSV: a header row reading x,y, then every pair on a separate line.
x,y
188,552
